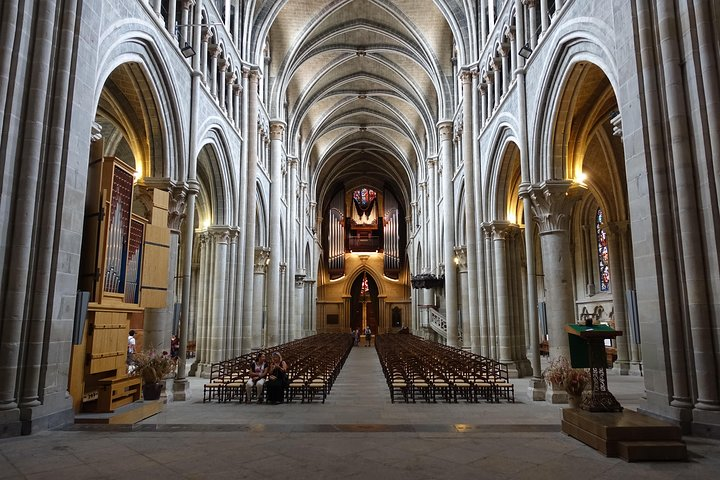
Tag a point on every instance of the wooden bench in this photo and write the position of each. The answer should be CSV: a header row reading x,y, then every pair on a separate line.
x,y
114,392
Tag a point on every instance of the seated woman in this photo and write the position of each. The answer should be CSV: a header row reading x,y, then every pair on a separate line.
x,y
277,379
257,377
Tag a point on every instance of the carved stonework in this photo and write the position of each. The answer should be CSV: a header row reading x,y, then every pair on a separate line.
x,y
215,50
262,255
176,208
300,281
283,268
206,34
446,130
466,76
220,234
276,130
552,203
501,229
461,256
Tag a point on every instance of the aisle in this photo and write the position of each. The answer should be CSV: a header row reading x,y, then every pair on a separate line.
x,y
361,382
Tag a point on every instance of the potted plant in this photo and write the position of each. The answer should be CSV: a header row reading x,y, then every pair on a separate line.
x,y
152,367
574,380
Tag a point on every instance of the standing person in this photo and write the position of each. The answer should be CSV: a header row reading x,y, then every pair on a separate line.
x,y
130,351
258,371
356,334
368,336
277,379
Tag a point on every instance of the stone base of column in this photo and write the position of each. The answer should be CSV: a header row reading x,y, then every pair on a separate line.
x,y
537,389
524,367
556,394
181,390
202,370
626,368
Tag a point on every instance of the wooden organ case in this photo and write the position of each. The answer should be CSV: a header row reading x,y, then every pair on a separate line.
x,y
124,266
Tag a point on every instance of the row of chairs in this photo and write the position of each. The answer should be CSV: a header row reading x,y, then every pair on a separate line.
x,y
313,364
418,369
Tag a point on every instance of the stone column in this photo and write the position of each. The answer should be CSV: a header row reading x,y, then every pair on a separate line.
x,y
464,323
446,155
262,255
483,102
503,51
702,328
483,24
230,96
237,92
500,231
470,330
552,203
203,311
544,18
218,319
432,246
617,288
489,78
250,189
277,128
222,69
294,313
495,65
204,50
215,51
488,329
531,5
170,20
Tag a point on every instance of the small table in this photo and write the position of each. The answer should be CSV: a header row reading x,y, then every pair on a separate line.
x,y
587,350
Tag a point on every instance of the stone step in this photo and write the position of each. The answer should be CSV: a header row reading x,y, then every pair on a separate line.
x,y
652,451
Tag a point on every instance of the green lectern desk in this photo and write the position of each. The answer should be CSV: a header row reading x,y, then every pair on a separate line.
x,y
587,350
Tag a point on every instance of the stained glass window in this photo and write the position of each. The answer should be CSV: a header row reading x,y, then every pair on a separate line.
x,y
602,246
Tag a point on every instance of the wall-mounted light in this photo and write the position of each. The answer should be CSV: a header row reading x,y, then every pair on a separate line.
x,y
525,51
581,177
511,217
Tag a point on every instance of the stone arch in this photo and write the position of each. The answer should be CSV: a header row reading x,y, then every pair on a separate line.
x,y
503,180
133,47
578,44
213,133
213,177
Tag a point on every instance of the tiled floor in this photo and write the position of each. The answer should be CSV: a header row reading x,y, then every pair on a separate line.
x,y
356,434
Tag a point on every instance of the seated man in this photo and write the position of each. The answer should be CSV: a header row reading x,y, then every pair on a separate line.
x,y
258,372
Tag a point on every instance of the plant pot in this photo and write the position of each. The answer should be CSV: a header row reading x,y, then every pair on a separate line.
x,y
574,401
151,391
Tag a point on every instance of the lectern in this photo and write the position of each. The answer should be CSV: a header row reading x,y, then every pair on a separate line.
x,y
587,350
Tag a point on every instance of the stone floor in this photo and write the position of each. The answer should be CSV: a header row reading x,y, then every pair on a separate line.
x,y
356,434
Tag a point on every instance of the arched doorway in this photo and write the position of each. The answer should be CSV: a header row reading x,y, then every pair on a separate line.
x,y
364,304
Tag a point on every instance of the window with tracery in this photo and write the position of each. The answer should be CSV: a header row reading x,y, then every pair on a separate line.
x,y
602,249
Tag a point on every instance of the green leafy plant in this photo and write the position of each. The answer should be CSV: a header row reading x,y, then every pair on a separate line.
x,y
152,366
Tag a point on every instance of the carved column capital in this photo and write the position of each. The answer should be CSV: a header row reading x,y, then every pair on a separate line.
x,y
552,203
214,50
176,208
262,256
206,34
501,229
277,128
445,129
466,76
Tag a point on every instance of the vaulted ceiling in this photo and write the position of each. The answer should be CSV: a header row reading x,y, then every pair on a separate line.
x,y
361,85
